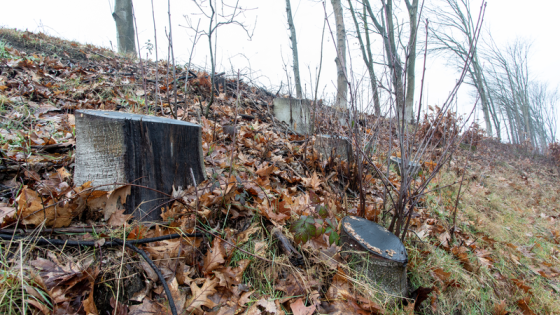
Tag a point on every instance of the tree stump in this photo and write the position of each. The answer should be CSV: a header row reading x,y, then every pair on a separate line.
x,y
376,253
413,168
295,112
334,146
155,152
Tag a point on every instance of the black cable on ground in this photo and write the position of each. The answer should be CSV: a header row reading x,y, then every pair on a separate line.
x,y
115,242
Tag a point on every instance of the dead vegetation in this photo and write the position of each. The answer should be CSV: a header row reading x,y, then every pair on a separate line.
x,y
259,236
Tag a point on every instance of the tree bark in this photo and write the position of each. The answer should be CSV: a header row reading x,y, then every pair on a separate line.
x,y
115,148
411,65
342,82
367,56
125,26
387,31
294,49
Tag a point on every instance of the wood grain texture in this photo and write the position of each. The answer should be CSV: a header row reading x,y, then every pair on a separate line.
x,y
115,147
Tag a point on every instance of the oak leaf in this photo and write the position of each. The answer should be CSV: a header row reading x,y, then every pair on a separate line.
x,y
214,257
298,308
312,182
200,295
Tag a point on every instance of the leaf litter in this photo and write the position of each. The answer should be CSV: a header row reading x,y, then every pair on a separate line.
x,y
276,180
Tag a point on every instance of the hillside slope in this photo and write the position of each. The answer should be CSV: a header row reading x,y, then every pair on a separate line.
x,y
501,259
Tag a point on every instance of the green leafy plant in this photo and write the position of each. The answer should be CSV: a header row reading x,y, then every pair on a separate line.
x,y
320,222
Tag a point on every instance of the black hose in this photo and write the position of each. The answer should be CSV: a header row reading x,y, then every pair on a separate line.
x,y
116,242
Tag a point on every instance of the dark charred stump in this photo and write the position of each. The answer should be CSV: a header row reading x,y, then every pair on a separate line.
x,y
373,251
159,153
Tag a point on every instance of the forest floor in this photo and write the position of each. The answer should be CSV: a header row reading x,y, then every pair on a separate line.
x,y
502,258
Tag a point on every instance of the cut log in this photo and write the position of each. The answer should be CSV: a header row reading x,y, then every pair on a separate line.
x,y
376,253
295,112
413,168
155,152
334,146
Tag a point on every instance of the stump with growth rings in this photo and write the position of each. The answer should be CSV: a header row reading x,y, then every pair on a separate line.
x,y
155,152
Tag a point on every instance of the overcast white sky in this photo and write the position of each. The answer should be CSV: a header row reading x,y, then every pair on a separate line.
x,y
91,22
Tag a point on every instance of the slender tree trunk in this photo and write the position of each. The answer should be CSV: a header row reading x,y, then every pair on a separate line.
x,y
411,65
493,111
476,74
125,26
366,55
394,60
373,78
342,83
294,49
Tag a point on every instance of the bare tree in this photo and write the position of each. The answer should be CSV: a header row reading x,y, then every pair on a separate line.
x,y
342,82
366,54
452,34
125,26
295,57
385,23
218,15
528,106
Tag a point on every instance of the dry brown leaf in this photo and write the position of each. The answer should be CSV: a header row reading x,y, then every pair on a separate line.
x,y
312,182
119,219
178,297
500,309
200,295
524,306
266,171
244,236
214,257
147,307
268,305
441,275
230,276
33,211
298,308
89,305
118,307
115,200
260,248
244,298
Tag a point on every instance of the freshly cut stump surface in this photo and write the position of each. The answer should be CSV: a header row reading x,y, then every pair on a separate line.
x,y
376,253
156,152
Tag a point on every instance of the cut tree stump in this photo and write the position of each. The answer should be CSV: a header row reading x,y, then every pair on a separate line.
x,y
334,146
155,152
412,169
376,253
295,112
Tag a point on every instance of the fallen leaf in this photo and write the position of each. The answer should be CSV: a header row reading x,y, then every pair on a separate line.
x,y
298,308
312,182
147,307
244,236
115,200
119,219
500,309
524,306
200,295
214,257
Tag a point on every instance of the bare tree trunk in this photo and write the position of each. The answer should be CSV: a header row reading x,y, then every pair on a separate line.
x,y
294,49
125,26
411,65
476,74
387,31
342,82
367,56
